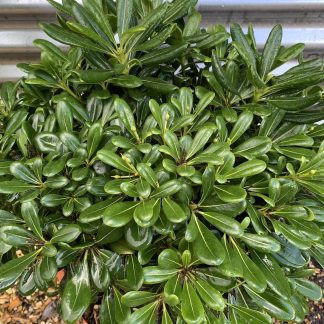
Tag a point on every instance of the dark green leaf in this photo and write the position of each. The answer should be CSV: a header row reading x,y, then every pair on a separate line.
x,y
119,214
68,233
15,267
206,245
76,296
192,309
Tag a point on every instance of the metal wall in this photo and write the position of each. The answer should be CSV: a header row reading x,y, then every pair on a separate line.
x,y
302,21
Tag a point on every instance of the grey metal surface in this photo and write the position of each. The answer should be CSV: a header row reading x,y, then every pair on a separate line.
x,y
41,6
259,5
302,20
20,40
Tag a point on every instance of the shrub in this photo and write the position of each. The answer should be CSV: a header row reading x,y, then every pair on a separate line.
x,y
170,174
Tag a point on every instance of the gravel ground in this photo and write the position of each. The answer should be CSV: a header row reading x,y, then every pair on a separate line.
x,y
316,308
40,309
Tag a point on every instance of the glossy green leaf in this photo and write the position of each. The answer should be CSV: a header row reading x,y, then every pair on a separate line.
x,y
199,141
169,259
14,186
154,275
273,304
224,223
173,211
15,267
295,103
206,245
246,169
64,116
29,212
16,235
94,138
232,264
230,193
96,211
48,268
292,235
209,295
134,271
308,289
254,147
99,273
163,55
270,51
53,200
124,15
192,308
251,315
262,243
220,74
167,189
147,173
113,160
274,274
251,273
242,124
68,233
77,294
21,172
119,214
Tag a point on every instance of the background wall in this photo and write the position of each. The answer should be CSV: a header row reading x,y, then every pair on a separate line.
x,y
303,21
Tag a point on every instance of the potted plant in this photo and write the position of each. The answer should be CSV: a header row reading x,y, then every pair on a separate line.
x,y
164,167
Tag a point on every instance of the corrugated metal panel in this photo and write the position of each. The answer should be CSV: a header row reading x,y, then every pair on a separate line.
x,y
303,21
259,5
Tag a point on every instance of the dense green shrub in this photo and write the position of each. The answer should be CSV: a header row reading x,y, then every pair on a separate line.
x,y
170,174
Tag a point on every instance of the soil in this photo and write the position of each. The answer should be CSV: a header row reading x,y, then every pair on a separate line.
x,y
316,308
40,309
